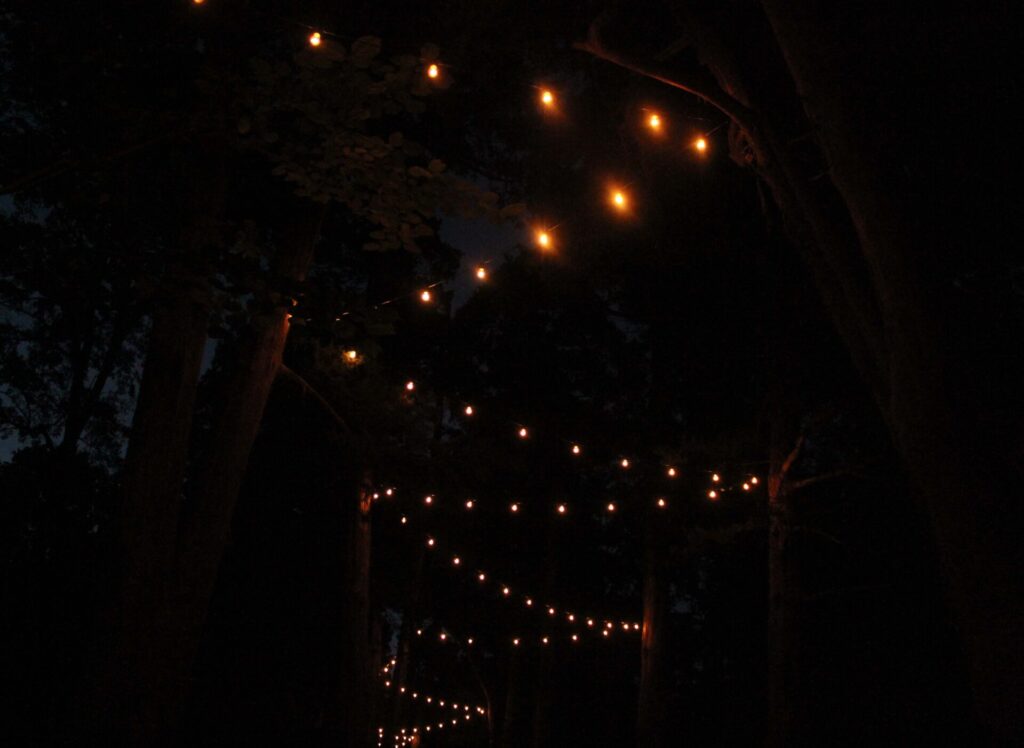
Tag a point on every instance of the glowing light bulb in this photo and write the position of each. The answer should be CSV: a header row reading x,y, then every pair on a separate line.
x,y
515,642
715,477
426,296
746,486
576,449
456,561
351,354
654,122
428,500
636,626
700,144
571,618
712,494
544,640
410,386
469,503
625,626
590,622
433,70
481,273
405,519
469,641
551,611
619,200
543,239
419,632
198,2
430,542
506,591
389,492
547,98
575,637
523,433
315,39
604,633
442,637
662,503
481,576
753,480
468,410
529,602
387,684
611,506
671,472
624,463
608,624
514,508
562,509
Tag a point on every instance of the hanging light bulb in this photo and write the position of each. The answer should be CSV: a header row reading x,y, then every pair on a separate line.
x,y
604,633
570,618
671,472
712,494
543,239
576,449
515,642
590,622
456,561
562,509
575,637
410,386
551,611
389,492
700,145
746,486
405,519
611,506
753,480
468,410
506,591
529,602
430,542
619,200
481,272
514,508
654,121
624,463
523,433
426,296
315,39
352,355
428,499
469,641
544,640
433,71
547,98
662,503
481,576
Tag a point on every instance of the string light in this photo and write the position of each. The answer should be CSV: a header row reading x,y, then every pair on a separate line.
x,y
428,499
405,520
544,640
529,602
624,463
746,486
410,386
481,273
611,506
654,122
713,494
430,542
315,39
562,508
514,508
551,611
576,449
671,472
543,239
482,576
469,503
547,98
701,145
662,503
715,477
619,200
433,71
426,296
468,410
523,433
456,561
575,637
753,480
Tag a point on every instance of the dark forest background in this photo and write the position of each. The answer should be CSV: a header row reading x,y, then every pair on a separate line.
x,y
213,240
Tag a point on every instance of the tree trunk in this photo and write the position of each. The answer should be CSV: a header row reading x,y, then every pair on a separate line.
x,y
123,687
971,516
205,532
652,712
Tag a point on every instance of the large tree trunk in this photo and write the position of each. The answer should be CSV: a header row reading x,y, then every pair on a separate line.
x,y
652,713
971,516
205,532
123,688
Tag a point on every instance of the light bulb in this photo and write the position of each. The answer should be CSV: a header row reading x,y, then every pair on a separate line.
x,y
746,486
712,494
575,637
404,519
590,622
468,410
753,480
544,640
619,199
611,506
529,602
624,463
481,273
700,144
351,354
428,500
547,98
469,503
469,641
430,542
576,449
562,509
433,71
515,642
551,611
425,295
715,477
523,433
662,503
514,508
410,385
481,576
456,561
543,239
671,472
505,591
654,122
315,39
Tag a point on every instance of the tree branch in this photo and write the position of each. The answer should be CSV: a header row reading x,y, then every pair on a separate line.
x,y
718,98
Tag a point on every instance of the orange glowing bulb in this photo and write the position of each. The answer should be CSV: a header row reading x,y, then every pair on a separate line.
x,y
405,520
430,542
315,39
746,486
529,603
469,641
576,449
611,506
712,494
428,500
481,576
701,145
662,503
543,239
456,561
481,273
624,463
468,410
351,355
425,296
571,618
604,633
410,386
753,480
506,591
469,503
590,622
547,98
514,508
523,433
389,492
551,611
433,71
654,122
515,642
715,477
619,199
671,472
575,637
544,640
561,508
